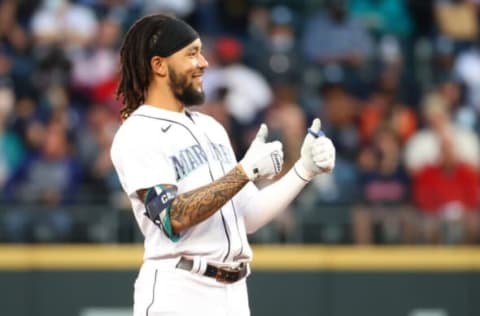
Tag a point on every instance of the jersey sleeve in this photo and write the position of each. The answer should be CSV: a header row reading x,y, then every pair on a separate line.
x,y
140,161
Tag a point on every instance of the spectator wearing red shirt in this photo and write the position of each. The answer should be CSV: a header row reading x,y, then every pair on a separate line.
x,y
446,195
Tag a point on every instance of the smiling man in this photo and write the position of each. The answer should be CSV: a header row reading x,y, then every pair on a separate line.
x,y
192,200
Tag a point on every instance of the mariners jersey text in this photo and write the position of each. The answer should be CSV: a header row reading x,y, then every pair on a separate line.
x,y
190,158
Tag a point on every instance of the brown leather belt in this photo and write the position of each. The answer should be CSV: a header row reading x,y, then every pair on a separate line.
x,y
221,274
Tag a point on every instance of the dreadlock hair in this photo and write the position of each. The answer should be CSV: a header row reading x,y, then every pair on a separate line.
x,y
135,54
152,35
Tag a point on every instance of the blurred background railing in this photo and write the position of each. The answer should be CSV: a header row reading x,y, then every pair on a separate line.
x,y
97,223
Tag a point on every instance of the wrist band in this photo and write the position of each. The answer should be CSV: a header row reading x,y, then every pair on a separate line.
x,y
298,174
314,134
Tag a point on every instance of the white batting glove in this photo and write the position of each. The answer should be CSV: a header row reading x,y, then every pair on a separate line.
x,y
262,160
317,154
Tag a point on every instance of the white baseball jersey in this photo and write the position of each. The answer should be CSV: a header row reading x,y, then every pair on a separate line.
x,y
188,150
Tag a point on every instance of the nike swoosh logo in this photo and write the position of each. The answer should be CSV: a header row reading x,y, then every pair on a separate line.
x,y
166,128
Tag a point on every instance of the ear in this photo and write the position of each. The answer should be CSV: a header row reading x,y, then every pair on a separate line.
x,y
159,66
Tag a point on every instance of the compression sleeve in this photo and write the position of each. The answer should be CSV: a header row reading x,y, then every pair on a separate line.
x,y
274,198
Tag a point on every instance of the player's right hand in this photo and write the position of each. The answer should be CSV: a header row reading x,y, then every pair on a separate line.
x,y
262,159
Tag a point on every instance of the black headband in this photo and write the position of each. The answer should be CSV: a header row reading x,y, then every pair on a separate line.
x,y
176,34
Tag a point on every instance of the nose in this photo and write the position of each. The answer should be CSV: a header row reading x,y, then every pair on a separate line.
x,y
203,63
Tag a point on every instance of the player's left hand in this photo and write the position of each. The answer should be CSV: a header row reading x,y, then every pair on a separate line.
x,y
317,154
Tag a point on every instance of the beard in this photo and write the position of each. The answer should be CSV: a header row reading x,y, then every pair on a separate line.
x,y
184,91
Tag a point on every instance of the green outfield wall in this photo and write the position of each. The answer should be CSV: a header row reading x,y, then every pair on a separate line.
x,y
293,280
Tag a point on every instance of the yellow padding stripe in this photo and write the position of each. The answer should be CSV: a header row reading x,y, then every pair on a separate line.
x,y
288,258
367,258
68,257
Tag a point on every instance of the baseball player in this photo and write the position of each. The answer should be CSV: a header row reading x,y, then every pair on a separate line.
x,y
192,200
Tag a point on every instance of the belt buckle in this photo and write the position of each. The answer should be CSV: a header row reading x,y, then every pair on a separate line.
x,y
223,274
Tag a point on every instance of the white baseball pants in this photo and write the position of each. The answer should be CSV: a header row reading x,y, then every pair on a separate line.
x,y
168,291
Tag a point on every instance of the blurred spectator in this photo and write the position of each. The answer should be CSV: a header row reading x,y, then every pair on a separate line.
x,y
384,187
11,148
8,10
384,105
463,116
61,22
442,59
93,142
383,17
339,111
467,69
95,67
56,107
24,121
49,176
391,98
49,179
286,122
457,19
22,63
52,68
5,68
216,107
259,20
423,148
335,37
446,194
272,46
248,93
15,43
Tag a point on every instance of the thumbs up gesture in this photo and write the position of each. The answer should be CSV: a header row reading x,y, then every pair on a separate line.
x,y
262,159
317,154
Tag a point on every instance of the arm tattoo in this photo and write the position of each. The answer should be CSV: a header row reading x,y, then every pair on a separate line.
x,y
195,206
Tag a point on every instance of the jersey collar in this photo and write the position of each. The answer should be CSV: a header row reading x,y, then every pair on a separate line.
x,y
154,111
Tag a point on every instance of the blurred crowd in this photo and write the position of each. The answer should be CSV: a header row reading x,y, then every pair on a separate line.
x,y
396,84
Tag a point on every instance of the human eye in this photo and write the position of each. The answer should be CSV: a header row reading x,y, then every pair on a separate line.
x,y
193,52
